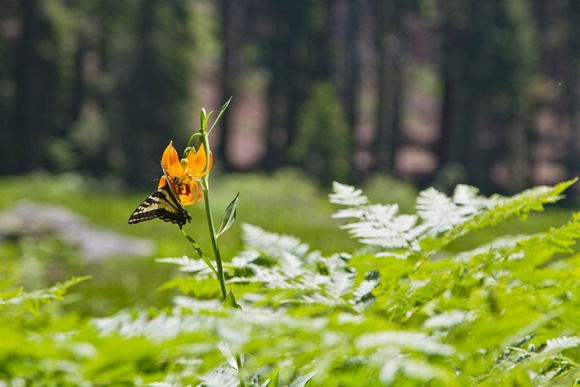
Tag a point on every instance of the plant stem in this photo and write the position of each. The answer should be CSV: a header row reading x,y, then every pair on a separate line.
x,y
212,234
218,260
240,370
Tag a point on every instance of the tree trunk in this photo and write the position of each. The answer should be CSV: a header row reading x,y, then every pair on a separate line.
x,y
24,133
225,82
278,90
572,15
390,88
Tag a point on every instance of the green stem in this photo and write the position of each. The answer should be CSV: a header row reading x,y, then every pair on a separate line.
x,y
216,250
240,370
212,234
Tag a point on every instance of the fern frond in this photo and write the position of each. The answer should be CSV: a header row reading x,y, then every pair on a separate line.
x,y
32,300
273,245
557,240
404,339
188,265
520,205
221,376
549,356
441,219
559,344
440,213
467,196
445,320
347,195
502,243
196,305
380,225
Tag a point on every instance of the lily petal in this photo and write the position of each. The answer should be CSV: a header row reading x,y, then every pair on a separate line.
x,y
198,162
162,182
170,161
192,195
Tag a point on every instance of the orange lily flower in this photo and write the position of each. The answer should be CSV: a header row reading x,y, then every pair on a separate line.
x,y
185,172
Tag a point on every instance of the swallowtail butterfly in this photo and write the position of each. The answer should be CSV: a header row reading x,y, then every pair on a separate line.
x,y
163,204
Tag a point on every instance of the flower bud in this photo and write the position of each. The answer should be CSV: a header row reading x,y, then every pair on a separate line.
x,y
184,164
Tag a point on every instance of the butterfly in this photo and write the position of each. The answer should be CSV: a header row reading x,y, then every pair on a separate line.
x,y
163,204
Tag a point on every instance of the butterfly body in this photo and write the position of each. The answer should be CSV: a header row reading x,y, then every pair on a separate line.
x,y
164,204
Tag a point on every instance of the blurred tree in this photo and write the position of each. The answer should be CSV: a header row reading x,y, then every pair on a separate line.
x,y
560,59
572,12
388,16
154,85
287,56
322,145
348,17
303,56
93,85
233,21
30,85
100,85
487,64
9,38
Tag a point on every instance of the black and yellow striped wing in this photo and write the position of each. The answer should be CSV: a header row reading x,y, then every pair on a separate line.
x,y
163,204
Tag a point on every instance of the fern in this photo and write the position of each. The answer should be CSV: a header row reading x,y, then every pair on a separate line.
x,y
441,219
32,300
406,311
283,263
440,213
221,376
470,310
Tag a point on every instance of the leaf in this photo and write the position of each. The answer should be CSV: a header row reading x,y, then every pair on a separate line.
x,y
347,195
224,348
221,376
301,381
223,109
559,344
274,245
440,213
198,250
274,381
33,300
229,216
418,341
187,264
230,302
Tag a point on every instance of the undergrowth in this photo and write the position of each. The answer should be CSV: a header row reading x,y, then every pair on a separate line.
x,y
401,310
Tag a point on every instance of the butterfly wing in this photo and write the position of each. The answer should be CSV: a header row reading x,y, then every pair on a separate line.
x,y
163,204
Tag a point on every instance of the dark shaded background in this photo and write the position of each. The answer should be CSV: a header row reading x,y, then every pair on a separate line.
x,y
434,91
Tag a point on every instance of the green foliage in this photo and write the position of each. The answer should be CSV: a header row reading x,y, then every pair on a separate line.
x,y
322,145
33,300
404,310
229,216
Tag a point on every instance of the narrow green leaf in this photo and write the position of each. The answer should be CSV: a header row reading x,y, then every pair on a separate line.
x,y
301,381
223,109
229,216
274,381
199,252
230,302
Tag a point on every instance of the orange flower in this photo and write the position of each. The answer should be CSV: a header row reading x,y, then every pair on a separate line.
x,y
184,173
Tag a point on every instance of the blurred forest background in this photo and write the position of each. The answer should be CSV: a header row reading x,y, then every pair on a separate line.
x,y
432,91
